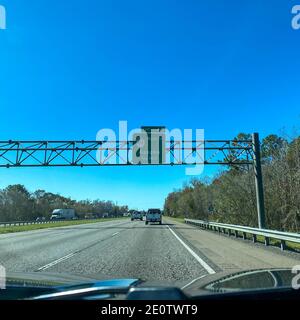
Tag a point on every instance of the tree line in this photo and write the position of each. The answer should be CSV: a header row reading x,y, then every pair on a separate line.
x,y
230,196
18,204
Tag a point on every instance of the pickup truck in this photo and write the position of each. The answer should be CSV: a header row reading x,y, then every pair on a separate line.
x,y
153,215
136,215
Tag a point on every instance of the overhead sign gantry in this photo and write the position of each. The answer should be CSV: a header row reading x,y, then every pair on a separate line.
x,y
152,146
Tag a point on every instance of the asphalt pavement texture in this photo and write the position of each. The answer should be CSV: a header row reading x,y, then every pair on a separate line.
x,y
172,252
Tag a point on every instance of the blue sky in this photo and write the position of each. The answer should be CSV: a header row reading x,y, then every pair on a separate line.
x,y
70,68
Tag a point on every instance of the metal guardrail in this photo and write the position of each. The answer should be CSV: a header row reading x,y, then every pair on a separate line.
x,y
242,231
25,223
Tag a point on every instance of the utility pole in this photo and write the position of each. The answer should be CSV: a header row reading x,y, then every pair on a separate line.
x,y
258,181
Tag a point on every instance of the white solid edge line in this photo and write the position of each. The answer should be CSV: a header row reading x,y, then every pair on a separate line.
x,y
201,261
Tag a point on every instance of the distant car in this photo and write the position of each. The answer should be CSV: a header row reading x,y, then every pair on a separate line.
x,y
136,215
153,215
39,219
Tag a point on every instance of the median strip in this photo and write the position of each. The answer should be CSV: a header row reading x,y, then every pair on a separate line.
x,y
30,227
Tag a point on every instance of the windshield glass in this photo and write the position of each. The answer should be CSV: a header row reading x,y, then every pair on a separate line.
x,y
153,140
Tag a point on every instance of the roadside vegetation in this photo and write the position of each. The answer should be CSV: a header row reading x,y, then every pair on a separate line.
x,y
230,196
18,204
177,219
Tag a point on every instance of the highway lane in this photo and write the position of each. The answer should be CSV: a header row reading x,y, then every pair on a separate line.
x,y
139,251
111,249
26,251
172,252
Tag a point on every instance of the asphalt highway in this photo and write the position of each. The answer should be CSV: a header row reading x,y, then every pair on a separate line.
x,y
172,252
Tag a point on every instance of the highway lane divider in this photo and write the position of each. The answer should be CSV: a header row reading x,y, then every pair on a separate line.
x,y
72,254
55,262
242,231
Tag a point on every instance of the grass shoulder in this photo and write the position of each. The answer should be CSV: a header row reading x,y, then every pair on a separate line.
x,y
31,227
177,219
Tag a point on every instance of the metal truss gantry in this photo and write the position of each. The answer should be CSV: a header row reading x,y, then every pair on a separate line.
x,y
83,153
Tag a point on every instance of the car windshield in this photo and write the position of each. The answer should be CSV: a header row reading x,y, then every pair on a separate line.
x,y
150,140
